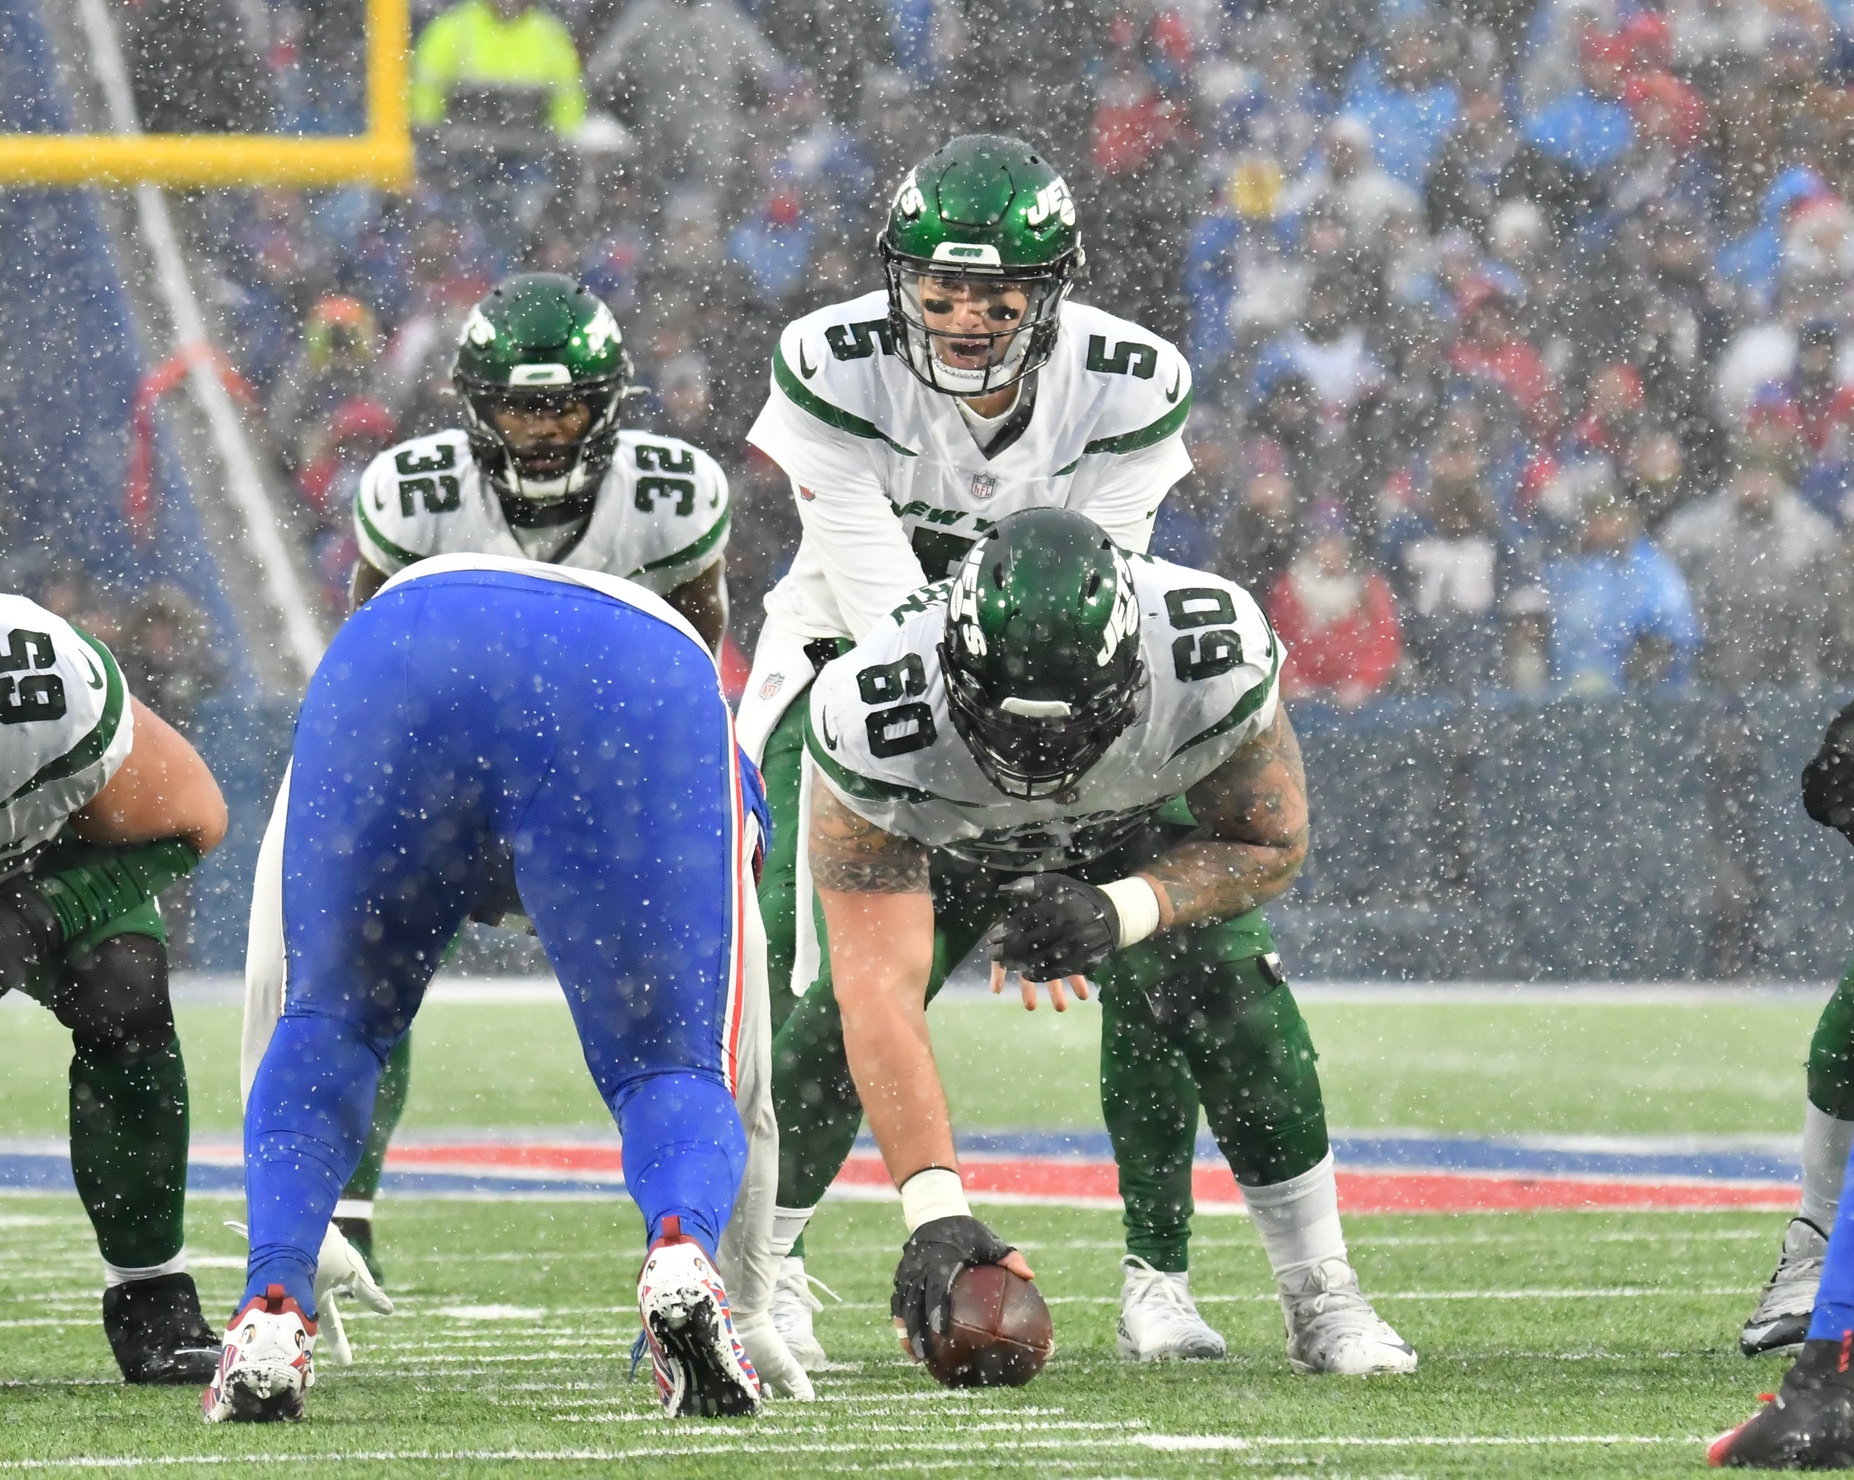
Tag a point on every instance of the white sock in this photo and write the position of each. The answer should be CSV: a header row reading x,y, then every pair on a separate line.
x,y
788,1224
355,1207
122,1274
1298,1219
1825,1145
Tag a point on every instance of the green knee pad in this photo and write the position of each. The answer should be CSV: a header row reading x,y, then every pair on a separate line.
x,y
1831,1054
389,1103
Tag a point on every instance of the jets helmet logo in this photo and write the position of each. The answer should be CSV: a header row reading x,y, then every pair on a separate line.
x,y
962,606
1122,626
603,333
1052,200
909,202
477,328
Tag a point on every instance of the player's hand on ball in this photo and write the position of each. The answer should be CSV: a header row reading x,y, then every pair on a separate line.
x,y
1828,780
934,1254
1057,928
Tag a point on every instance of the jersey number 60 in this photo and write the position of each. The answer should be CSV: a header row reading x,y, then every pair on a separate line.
x,y
903,728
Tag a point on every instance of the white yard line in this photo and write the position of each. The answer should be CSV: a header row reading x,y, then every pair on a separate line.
x,y
706,1446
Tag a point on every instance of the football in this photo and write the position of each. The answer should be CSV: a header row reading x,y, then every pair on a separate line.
x,y
998,1332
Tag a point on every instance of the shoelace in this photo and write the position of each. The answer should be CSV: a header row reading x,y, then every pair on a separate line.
x,y
1146,1279
800,1285
1344,1302
638,1349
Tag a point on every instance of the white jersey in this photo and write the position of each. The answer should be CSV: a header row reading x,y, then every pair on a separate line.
x,y
1211,661
660,519
892,487
65,724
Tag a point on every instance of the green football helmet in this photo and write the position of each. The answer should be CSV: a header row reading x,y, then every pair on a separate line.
x,y
1041,651
983,212
541,344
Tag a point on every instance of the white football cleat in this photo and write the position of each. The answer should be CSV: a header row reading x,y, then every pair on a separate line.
x,y
1331,1327
267,1363
1781,1319
701,1367
778,1370
1158,1319
792,1305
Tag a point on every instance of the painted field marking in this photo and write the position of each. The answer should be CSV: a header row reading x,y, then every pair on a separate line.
x,y
1173,1443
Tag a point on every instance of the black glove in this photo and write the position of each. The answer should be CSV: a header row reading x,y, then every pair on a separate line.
x,y
1828,780
1057,927
934,1254
30,939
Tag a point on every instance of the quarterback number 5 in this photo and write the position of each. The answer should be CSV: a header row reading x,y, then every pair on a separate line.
x,y
904,728
1200,654
27,699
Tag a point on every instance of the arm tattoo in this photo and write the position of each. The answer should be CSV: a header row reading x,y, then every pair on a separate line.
x,y
1252,833
851,855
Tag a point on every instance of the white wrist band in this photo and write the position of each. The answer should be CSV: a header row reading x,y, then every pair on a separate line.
x,y
1137,904
934,1193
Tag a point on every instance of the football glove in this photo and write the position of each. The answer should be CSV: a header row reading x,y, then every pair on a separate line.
x,y
1828,780
339,1270
934,1254
1057,927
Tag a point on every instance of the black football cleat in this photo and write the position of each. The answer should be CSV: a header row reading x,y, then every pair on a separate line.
x,y
1807,1425
157,1332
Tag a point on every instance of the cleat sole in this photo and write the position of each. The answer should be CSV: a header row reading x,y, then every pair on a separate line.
x,y
687,1334
259,1396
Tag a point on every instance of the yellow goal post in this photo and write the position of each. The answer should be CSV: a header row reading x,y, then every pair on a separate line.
x,y
381,156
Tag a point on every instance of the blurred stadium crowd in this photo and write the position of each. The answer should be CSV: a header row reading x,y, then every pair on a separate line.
x,y
1521,331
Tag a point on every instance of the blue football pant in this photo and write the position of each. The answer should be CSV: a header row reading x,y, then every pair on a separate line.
x,y
459,726
1833,1316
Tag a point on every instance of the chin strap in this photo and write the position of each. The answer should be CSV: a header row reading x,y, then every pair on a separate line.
x,y
530,514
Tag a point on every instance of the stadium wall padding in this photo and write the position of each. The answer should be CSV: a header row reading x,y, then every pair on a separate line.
x,y
1575,841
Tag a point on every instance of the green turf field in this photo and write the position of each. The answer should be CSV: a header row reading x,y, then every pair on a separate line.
x,y
1552,1344
1508,1069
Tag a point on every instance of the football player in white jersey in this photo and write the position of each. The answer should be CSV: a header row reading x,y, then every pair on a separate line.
x,y
542,469
909,420
1077,759
104,806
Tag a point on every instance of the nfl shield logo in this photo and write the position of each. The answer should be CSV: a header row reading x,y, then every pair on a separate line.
x,y
982,485
774,682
